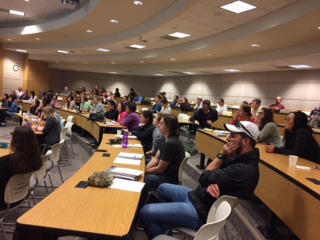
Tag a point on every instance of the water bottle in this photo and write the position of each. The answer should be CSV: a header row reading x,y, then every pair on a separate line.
x,y
28,114
125,139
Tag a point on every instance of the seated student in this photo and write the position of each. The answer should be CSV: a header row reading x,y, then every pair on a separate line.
x,y
70,104
41,106
298,139
48,97
25,96
97,106
174,103
85,106
13,108
145,130
13,95
65,91
34,106
157,105
51,129
132,120
255,107
243,114
277,106
23,158
57,115
165,106
122,112
33,96
132,94
4,101
185,105
205,116
183,207
164,167
198,103
95,91
156,135
19,92
269,132
221,107
55,101
117,93
112,112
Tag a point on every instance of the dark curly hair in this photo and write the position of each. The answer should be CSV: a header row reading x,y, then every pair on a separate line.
x,y
26,155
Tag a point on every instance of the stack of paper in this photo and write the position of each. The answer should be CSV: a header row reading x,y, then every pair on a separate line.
x,y
130,137
129,158
221,133
125,173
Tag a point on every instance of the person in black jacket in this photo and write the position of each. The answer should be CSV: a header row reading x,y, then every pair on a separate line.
x,y
298,139
183,207
145,130
112,112
204,117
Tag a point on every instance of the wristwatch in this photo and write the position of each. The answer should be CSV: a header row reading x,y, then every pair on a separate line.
x,y
221,156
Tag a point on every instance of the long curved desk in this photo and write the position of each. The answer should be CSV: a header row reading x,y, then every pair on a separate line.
x,y
92,212
285,190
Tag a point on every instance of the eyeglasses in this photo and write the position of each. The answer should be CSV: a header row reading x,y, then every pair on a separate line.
x,y
239,125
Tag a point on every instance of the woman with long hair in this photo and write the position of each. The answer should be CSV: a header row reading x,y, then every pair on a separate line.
x,y
34,107
269,132
185,105
122,112
23,158
4,101
70,104
51,129
33,96
243,114
55,101
145,130
298,139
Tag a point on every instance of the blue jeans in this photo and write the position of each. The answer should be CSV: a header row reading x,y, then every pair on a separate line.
x,y
174,209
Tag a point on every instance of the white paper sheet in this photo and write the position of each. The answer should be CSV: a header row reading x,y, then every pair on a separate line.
x,y
127,161
127,185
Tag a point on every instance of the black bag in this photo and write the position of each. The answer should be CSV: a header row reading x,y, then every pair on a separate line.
x,y
96,117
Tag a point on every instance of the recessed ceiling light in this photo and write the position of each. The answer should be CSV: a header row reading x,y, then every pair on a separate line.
x,y
21,50
114,21
238,7
158,74
255,45
209,54
138,3
319,28
232,70
89,31
84,62
38,39
172,59
113,72
137,46
62,51
299,66
113,63
9,39
17,12
141,61
103,50
189,73
26,0
57,62
179,35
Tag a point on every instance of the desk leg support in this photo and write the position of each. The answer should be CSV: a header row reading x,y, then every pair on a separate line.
x,y
269,231
201,165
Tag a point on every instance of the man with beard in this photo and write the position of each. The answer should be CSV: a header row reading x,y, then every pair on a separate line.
x,y
233,172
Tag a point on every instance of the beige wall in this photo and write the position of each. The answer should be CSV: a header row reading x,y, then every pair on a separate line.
x,y
299,89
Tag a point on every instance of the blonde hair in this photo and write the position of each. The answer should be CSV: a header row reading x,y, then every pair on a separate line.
x,y
48,111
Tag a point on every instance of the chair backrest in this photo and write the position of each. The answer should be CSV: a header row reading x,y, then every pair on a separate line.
x,y
70,118
233,201
211,230
63,133
17,188
182,166
69,131
56,149
42,172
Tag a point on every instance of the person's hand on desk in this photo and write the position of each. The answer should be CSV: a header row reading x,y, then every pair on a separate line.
x,y
196,122
269,148
209,122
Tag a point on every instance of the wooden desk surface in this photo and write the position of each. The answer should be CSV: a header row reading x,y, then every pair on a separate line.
x,y
285,190
87,212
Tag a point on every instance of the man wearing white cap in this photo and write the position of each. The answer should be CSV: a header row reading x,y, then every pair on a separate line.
x,y
233,172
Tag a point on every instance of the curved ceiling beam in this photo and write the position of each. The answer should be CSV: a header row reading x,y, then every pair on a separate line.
x,y
52,24
157,20
283,15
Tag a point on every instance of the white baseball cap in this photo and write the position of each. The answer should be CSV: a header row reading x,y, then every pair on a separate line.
x,y
246,127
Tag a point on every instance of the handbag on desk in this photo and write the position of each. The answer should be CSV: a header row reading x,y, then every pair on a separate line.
x,y
100,179
96,117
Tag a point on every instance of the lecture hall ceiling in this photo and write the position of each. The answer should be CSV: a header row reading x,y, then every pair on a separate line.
x,y
288,32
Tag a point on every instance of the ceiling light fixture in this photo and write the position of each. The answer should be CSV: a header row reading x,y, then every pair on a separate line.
x,y
9,39
21,50
232,70
300,66
114,21
158,74
238,7
113,72
172,59
38,39
16,12
103,50
113,63
138,3
209,54
255,45
141,61
62,51
137,46
188,73
179,35
89,31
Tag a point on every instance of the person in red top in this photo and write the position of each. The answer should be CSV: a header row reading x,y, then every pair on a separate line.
x,y
243,114
277,106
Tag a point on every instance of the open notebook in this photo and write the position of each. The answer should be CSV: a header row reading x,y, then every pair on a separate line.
x,y
129,158
125,173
